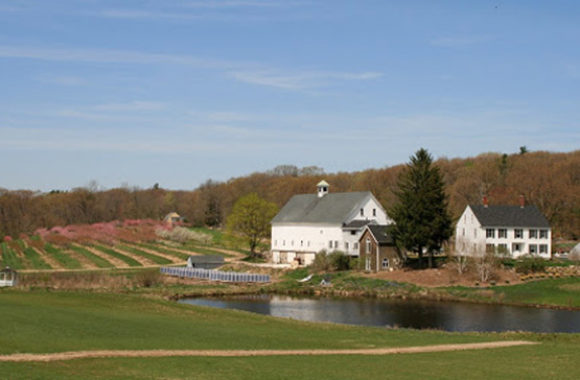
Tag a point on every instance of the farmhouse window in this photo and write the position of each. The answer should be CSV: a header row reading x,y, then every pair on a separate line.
x,y
362,212
353,232
489,248
330,244
490,233
336,244
543,234
355,246
533,249
385,263
346,245
543,248
533,234
502,233
368,250
302,243
374,212
518,233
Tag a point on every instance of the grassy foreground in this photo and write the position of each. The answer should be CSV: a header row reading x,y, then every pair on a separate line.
x,y
42,321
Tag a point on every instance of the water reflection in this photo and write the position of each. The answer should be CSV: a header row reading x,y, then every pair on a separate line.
x,y
450,316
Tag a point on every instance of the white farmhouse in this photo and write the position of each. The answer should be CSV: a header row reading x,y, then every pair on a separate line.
x,y
310,223
513,230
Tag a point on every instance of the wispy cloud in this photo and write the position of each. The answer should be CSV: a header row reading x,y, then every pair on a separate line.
x,y
136,105
112,56
460,41
239,4
246,72
63,80
299,80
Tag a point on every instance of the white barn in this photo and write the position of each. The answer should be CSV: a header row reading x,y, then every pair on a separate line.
x,y
513,230
310,223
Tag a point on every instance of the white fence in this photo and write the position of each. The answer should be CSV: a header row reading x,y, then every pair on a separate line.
x,y
214,275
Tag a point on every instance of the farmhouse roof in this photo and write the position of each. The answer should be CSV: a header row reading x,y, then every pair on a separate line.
x,y
510,216
333,208
381,233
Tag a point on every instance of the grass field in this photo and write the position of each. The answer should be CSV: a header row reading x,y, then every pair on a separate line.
x,y
42,321
563,292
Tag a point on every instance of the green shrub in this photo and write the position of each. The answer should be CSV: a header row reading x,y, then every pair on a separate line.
x,y
321,262
339,261
530,265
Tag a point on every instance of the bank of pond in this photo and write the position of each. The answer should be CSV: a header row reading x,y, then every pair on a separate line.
x,y
416,314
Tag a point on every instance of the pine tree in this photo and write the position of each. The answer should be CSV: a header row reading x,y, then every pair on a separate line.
x,y
421,217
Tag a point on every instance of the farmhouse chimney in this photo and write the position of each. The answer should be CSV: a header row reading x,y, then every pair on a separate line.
x,y
522,201
322,188
485,204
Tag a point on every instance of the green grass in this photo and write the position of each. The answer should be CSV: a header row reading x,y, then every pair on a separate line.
x,y
35,259
66,321
97,260
62,257
163,249
10,258
111,252
558,292
156,259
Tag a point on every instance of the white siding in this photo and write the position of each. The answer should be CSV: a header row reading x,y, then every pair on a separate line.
x,y
469,232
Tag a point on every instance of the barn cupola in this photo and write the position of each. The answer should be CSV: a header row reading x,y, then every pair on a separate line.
x,y
322,188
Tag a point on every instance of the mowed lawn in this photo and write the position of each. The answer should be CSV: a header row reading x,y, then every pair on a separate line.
x,y
42,321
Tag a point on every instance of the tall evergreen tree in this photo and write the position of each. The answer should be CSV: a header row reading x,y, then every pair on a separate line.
x,y
421,217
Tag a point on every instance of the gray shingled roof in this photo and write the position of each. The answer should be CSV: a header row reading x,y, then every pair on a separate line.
x,y
331,208
356,224
510,216
382,234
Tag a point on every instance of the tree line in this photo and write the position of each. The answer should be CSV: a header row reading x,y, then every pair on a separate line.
x,y
550,181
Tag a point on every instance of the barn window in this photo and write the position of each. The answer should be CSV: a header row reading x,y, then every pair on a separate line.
x,y
368,250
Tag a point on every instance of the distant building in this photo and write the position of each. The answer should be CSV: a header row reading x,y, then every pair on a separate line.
x,y
173,218
511,230
311,223
205,261
8,277
377,248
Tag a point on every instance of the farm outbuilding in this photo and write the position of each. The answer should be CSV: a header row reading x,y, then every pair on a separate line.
x,y
8,277
205,262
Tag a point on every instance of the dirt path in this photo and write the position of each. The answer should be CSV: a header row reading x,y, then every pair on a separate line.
x,y
86,263
142,260
244,353
118,263
174,259
48,259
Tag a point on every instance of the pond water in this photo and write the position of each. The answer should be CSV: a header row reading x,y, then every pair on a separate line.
x,y
449,316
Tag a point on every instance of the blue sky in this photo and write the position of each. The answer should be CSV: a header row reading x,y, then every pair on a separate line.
x,y
177,92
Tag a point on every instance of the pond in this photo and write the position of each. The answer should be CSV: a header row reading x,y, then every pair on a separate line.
x,y
449,316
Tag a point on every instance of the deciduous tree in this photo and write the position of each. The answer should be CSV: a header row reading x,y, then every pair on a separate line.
x,y
251,216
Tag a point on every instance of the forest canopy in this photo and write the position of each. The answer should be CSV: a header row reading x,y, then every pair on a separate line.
x,y
551,181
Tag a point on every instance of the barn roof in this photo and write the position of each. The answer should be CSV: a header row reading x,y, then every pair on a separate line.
x,y
510,216
331,208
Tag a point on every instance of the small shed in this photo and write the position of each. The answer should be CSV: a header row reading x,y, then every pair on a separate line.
x,y
173,218
377,249
205,261
8,277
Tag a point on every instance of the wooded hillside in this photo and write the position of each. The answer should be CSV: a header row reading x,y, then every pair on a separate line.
x,y
551,181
